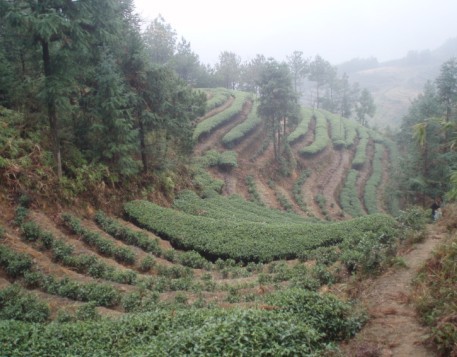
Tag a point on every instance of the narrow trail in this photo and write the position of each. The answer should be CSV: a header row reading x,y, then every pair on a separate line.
x,y
394,328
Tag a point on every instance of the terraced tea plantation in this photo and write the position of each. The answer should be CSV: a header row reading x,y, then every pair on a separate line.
x,y
182,280
250,264
348,165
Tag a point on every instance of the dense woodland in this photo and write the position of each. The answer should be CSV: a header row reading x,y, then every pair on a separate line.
x,y
96,104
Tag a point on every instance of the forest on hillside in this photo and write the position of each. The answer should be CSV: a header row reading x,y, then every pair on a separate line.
x,y
78,72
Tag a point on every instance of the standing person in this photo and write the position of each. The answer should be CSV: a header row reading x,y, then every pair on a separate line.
x,y
435,208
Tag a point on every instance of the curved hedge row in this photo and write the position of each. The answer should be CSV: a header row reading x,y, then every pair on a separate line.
x,y
321,139
247,241
392,192
220,96
212,123
234,207
338,125
349,198
373,182
243,129
302,128
351,132
361,152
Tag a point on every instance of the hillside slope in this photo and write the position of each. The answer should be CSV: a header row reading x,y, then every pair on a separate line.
x,y
324,149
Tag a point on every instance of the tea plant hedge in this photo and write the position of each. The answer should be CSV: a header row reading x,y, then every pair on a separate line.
x,y
321,138
247,241
349,198
370,196
361,151
300,131
212,123
303,323
234,207
220,96
351,132
338,130
242,130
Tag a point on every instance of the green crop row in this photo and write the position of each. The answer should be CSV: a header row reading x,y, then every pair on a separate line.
x,y
228,160
349,198
141,240
233,207
337,125
376,136
209,125
126,235
297,189
82,263
224,159
300,131
220,96
361,151
247,241
252,190
370,195
243,129
321,139
351,132
391,193
284,201
19,265
102,245
302,324
16,304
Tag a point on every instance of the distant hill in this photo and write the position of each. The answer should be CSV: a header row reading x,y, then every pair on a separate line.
x,y
394,84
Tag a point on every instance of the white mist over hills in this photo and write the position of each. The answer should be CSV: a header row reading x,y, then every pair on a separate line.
x,y
337,30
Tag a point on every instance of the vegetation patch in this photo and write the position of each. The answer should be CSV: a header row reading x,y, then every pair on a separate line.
x,y
16,304
252,189
361,152
370,196
207,126
194,332
243,129
102,245
349,197
297,190
220,96
302,128
337,124
321,138
248,241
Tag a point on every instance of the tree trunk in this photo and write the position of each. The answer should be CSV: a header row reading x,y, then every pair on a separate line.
x,y
52,111
144,158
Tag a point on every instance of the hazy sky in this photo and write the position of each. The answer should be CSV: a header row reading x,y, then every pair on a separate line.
x,y
338,30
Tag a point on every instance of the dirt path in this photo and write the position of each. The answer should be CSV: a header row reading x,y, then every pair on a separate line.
x,y
394,329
